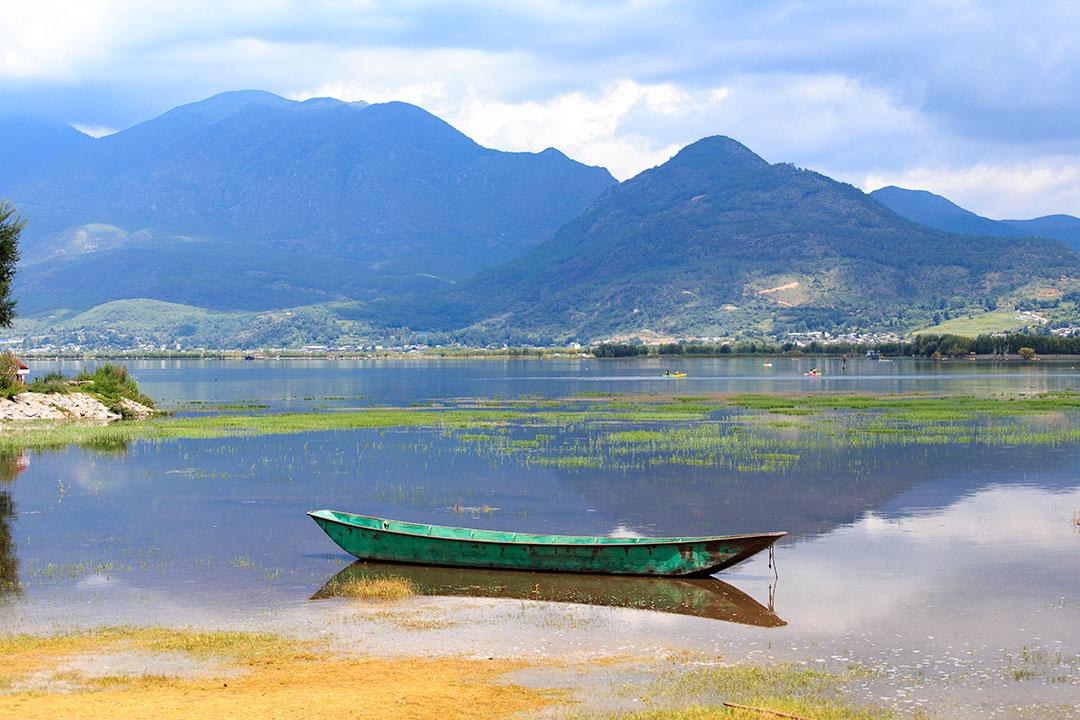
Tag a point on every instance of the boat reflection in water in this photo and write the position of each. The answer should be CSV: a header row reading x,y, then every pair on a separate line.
x,y
706,598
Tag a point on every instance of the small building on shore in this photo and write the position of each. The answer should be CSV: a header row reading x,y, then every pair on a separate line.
x,y
21,372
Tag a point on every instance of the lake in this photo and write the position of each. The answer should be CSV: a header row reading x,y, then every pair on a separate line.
x,y
949,570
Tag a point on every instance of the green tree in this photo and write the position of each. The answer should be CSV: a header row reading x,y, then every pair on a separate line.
x,y
9,370
1027,353
11,226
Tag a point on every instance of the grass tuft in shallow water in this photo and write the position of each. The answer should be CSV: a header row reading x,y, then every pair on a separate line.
x,y
383,588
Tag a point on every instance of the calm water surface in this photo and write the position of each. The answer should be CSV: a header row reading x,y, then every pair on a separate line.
x,y
303,383
944,568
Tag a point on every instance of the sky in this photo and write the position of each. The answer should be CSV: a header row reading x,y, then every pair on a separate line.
x,y
978,101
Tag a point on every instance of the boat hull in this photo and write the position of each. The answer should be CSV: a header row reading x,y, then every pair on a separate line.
x,y
389,541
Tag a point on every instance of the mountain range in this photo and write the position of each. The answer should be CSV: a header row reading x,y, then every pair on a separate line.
x,y
249,201
717,241
251,220
934,211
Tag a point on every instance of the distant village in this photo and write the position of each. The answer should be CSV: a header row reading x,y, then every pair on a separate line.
x,y
115,343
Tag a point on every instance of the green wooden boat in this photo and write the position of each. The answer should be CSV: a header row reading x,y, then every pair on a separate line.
x,y
699,597
371,538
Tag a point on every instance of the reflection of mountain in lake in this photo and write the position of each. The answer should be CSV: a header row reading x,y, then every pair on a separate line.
x,y
808,502
707,598
10,467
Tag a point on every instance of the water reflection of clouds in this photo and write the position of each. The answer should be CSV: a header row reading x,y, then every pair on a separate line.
x,y
983,567
1003,517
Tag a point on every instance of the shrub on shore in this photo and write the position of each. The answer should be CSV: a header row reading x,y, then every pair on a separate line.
x,y
112,382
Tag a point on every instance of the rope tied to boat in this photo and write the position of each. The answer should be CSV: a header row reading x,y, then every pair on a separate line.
x,y
776,577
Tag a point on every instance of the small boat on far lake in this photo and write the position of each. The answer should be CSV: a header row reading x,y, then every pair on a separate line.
x,y
372,538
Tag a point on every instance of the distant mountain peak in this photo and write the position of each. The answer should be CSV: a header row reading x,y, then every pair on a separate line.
x,y
229,102
897,197
926,208
327,102
719,149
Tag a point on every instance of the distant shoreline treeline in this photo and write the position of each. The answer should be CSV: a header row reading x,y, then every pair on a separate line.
x,y
919,346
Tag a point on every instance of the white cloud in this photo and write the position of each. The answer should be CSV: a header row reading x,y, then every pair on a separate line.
x,y
94,130
423,94
586,127
906,93
822,122
52,39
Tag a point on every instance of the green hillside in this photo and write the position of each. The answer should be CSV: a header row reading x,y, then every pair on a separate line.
x,y
139,323
718,242
976,324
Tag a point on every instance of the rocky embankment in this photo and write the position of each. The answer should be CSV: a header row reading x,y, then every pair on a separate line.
x,y
65,406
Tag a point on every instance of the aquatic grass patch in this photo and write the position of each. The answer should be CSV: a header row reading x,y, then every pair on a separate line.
x,y
916,407
237,407
475,437
71,571
288,423
758,709
570,461
1050,666
382,588
634,434
40,435
56,436
785,687
414,621
243,646
757,445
